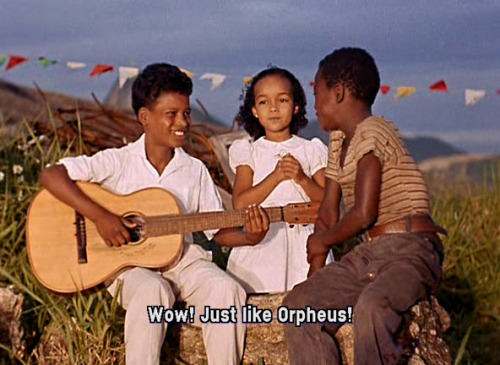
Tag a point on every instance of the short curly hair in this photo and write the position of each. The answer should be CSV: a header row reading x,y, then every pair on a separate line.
x,y
252,124
356,69
156,79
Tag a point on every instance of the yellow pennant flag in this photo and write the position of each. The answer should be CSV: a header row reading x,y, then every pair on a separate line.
x,y
247,80
404,91
188,73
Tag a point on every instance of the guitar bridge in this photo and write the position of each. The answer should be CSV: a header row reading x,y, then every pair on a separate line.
x,y
81,238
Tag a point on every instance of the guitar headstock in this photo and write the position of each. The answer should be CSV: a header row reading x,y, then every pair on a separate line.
x,y
301,213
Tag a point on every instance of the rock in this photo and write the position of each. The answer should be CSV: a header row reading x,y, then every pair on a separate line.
x,y
264,342
11,331
421,337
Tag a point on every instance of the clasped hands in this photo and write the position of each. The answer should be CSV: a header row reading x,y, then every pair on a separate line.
x,y
288,168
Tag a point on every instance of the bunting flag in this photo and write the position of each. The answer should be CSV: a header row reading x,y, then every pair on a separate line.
x,y
473,96
15,61
100,68
125,73
404,91
75,65
189,73
439,86
217,79
45,62
384,89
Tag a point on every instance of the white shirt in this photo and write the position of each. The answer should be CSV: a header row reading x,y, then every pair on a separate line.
x,y
280,260
126,170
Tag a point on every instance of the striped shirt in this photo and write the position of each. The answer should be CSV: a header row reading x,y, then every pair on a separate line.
x,y
403,190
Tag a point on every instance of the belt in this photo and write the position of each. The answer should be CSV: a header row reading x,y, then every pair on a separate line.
x,y
421,223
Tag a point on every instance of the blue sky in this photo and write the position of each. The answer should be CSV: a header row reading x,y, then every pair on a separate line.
x,y
414,44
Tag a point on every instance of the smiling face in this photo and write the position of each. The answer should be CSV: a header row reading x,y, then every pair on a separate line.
x,y
274,106
167,120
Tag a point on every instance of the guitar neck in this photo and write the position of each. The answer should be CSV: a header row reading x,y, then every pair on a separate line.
x,y
174,224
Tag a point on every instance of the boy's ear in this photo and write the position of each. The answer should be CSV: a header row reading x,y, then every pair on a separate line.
x,y
143,116
339,91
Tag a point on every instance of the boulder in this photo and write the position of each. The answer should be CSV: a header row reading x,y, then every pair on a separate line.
x,y
420,336
11,331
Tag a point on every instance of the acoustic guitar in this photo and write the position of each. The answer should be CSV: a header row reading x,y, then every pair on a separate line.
x,y
67,254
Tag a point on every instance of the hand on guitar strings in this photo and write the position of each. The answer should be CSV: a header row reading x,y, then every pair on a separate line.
x,y
113,229
256,224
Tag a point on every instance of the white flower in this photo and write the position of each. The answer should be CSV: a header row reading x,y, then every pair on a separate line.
x,y
2,176
17,169
20,195
20,179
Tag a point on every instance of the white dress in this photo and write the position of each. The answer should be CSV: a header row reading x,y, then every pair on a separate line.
x,y
279,262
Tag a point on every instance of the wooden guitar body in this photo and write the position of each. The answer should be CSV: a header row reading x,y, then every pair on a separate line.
x,y
53,246
67,254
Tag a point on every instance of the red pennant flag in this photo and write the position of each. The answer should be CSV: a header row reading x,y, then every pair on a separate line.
x,y
439,86
15,61
311,83
498,92
384,89
99,69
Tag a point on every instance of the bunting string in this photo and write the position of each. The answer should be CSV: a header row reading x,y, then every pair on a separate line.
x,y
9,62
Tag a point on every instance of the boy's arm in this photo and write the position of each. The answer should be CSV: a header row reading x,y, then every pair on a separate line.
x,y
362,215
328,214
244,194
256,227
111,228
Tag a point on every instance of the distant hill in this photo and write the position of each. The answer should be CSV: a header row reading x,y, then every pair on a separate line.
x,y
421,148
477,169
18,102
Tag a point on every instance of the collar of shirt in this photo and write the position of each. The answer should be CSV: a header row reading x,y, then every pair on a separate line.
x,y
180,159
289,144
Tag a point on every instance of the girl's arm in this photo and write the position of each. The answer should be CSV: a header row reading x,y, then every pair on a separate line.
x,y
244,194
111,228
361,216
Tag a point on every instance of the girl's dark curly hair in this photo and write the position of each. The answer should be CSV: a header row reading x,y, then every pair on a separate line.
x,y
155,79
252,124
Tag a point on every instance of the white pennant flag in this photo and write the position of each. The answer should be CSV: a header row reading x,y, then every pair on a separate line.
x,y
217,79
76,65
473,96
125,73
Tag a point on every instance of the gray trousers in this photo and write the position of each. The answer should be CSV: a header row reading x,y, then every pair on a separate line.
x,y
381,280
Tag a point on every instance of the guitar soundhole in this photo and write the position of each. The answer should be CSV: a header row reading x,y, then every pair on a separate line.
x,y
138,233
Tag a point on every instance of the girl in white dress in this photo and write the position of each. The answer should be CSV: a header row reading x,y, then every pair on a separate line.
x,y
276,169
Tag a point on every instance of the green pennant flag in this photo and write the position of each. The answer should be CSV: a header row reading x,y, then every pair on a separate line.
x,y
46,62
3,59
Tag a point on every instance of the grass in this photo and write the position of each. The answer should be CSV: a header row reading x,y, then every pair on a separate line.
x,y
87,329
470,290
